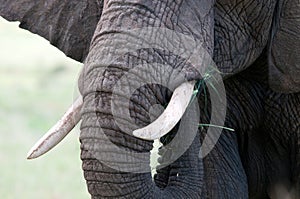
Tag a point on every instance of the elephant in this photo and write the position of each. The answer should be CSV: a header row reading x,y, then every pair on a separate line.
x,y
252,46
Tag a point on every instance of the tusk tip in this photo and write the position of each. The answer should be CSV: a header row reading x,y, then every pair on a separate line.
x,y
29,157
58,132
32,154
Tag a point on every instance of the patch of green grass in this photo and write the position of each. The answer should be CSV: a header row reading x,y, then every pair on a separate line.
x,y
37,84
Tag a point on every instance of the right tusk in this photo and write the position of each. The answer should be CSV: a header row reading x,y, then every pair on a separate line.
x,y
58,131
171,116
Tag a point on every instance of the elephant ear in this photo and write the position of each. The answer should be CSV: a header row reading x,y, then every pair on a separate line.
x,y
284,51
67,24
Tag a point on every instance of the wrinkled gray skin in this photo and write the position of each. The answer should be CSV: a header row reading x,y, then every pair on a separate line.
x,y
255,46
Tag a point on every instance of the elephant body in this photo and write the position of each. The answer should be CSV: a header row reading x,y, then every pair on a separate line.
x,y
253,44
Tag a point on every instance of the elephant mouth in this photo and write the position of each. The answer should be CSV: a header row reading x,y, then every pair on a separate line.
x,y
158,128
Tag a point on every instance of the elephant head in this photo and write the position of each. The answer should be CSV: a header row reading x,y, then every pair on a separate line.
x,y
131,63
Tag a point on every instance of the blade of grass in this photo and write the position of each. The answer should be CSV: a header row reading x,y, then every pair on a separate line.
x,y
216,126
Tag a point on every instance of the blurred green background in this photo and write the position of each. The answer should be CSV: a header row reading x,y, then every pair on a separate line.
x,y
37,84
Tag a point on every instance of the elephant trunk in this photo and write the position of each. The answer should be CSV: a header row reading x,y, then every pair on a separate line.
x,y
117,164
111,172
118,98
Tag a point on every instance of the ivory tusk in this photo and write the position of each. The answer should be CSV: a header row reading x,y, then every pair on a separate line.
x,y
171,116
58,131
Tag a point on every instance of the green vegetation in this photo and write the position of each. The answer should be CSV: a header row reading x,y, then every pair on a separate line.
x,y
37,84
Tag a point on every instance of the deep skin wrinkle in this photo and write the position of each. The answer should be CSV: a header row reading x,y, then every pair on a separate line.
x,y
254,45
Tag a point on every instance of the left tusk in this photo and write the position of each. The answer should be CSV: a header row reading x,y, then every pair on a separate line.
x,y
58,131
171,116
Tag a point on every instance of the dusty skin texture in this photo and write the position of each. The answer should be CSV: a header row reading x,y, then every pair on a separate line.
x,y
254,45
